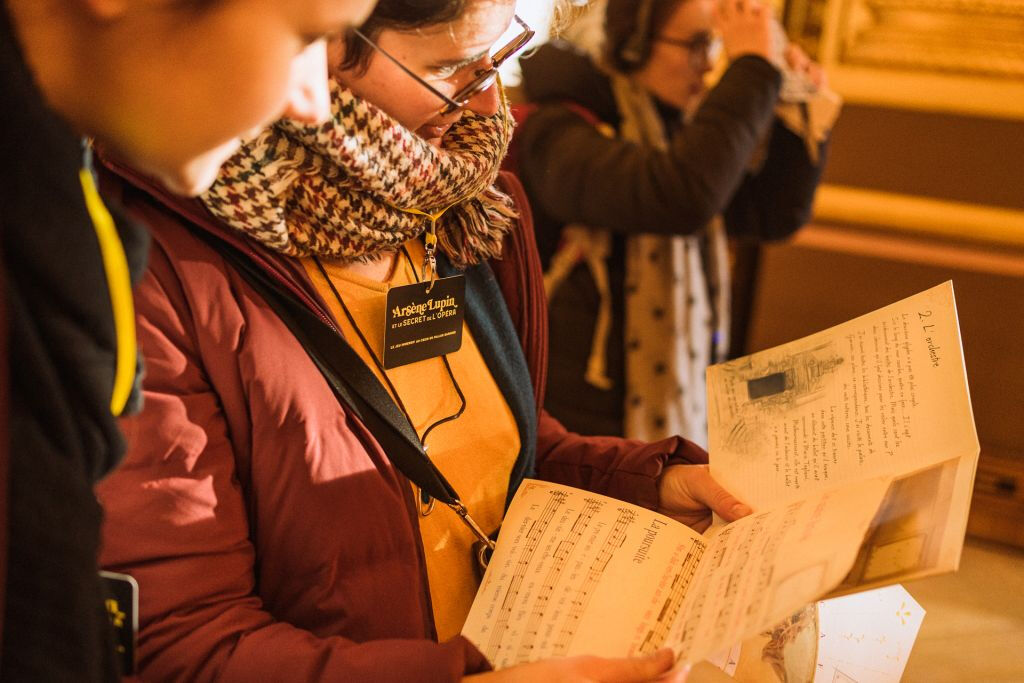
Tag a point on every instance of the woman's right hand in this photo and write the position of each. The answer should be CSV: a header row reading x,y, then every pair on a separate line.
x,y
586,669
746,28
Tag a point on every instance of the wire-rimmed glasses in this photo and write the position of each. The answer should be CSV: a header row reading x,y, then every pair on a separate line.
x,y
482,79
703,46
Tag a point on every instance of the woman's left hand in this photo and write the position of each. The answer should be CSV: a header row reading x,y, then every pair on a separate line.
x,y
688,494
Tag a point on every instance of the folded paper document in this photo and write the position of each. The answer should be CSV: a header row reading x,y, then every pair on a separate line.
x,y
855,447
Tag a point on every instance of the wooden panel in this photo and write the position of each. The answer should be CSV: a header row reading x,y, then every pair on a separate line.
x,y
998,506
930,154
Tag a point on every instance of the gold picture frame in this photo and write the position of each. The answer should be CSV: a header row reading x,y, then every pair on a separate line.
x,y
957,56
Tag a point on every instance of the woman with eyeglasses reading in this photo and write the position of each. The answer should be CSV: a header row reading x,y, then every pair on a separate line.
x,y
637,173
345,343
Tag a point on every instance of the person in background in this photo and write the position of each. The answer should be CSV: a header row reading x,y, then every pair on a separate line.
x,y
636,173
170,85
267,506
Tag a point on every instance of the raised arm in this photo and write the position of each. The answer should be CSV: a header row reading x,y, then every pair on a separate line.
x,y
577,174
775,200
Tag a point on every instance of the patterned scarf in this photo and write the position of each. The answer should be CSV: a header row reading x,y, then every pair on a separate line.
x,y
677,304
361,183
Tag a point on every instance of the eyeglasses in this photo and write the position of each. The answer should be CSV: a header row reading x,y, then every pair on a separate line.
x,y
703,46
482,79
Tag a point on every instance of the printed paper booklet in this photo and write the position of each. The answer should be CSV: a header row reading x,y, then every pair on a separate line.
x,y
855,447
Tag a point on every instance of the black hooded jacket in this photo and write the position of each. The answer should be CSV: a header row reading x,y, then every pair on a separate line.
x,y
575,174
58,434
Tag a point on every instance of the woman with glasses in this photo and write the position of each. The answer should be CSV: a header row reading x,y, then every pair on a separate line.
x,y
345,343
636,174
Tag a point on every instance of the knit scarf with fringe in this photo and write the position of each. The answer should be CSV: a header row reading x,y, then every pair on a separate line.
x,y
360,183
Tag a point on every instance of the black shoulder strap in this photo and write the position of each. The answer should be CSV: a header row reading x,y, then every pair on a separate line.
x,y
353,383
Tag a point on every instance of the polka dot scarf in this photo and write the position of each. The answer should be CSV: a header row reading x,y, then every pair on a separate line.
x,y
677,302
677,305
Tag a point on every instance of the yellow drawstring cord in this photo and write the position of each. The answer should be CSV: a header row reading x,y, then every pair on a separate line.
x,y
115,264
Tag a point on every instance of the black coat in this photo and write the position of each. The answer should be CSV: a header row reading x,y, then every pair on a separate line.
x,y
574,174
58,434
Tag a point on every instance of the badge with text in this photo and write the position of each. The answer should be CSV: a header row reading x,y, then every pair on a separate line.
x,y
421,324
122,603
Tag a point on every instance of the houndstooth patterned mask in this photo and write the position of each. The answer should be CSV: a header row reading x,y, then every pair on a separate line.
x,y
343,189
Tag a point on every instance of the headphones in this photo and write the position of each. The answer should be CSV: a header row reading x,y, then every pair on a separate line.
x,y
637,47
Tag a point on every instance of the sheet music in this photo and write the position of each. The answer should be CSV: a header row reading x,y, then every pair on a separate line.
x,y
577,572
764,567
856,447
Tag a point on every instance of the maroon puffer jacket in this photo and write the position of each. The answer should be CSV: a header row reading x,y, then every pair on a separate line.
x,y
270,536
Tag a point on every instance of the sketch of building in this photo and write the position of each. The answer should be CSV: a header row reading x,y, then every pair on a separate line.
x,y
782,385
772,388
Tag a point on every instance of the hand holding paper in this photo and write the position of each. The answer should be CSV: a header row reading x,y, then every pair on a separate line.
x,y
689,494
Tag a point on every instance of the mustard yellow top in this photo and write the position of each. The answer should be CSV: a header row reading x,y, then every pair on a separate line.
x,y
475,452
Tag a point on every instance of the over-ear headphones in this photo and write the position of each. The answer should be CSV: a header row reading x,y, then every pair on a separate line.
x,y
637,47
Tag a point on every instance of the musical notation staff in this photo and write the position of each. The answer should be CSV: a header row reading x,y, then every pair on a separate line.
x,y
673,602
616,535
689,629
533,537
560,556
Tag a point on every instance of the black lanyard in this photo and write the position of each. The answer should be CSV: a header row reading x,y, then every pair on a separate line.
x,y
354,385
380,366
425,498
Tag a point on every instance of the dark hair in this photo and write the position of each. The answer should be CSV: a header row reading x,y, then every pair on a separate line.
x,y
397,15
627,37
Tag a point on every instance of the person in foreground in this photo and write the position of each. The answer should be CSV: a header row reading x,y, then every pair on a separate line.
x,y
637,173
266,506
169,85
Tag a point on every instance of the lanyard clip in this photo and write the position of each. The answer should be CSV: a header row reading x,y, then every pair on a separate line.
x,y
424,502
429,243
462,512
430,258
